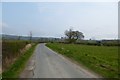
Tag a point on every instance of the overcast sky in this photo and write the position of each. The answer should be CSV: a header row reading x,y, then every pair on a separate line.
x,y
97,20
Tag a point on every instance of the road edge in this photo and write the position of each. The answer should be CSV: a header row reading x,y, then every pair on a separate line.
x,y
81,66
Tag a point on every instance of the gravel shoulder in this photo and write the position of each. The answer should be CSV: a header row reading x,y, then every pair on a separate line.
x,y
28,71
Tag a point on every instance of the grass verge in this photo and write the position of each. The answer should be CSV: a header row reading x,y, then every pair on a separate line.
x,y
18,66
101,59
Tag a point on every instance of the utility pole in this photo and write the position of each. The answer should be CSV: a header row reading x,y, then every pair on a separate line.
x,y
30,36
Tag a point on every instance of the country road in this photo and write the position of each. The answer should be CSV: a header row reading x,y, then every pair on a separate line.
x,y
49,64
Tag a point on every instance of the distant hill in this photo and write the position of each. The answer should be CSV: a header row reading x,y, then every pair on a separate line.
x,y
15,37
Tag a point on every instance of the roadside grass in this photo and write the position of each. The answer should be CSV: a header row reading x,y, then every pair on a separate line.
x,y
18,66
101,59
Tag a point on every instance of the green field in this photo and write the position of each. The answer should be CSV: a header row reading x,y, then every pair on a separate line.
x,y
101,59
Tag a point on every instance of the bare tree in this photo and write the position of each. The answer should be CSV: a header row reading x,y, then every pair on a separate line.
x,y
72,36
19,37
68,33
30,34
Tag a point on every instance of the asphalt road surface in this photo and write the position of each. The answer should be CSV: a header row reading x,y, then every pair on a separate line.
x,y
49,64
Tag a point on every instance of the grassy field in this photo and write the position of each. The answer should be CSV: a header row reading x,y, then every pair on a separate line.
x,y
101,59
19,64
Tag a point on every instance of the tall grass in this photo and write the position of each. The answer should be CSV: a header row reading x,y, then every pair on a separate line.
x,y
16,68
10,51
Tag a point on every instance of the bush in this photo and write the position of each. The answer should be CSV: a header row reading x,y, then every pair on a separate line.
x,y
100,43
